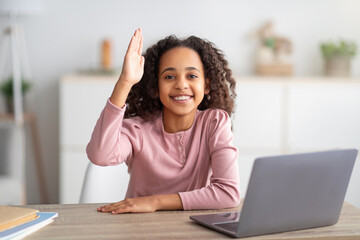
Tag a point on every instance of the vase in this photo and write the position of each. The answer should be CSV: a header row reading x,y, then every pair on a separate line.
x,y
9,104
338,66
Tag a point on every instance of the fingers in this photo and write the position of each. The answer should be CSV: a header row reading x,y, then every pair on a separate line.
x,y
136,42
131,44
118,207
123,209
142,204
140,47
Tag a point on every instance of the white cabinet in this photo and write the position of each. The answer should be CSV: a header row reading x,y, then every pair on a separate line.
x,y
258,110
273,116
324,115
289,115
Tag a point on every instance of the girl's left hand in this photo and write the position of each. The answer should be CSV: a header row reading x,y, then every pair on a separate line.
x,y
144,204
141,204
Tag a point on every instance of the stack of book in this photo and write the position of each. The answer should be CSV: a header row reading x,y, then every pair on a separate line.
x,y
19,222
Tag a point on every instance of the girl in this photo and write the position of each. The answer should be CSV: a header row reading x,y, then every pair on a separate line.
x,y
174,131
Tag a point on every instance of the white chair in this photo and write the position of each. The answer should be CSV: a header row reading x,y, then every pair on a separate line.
x,y
104,184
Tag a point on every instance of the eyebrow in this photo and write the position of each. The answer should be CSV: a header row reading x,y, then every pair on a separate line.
x,y
173,69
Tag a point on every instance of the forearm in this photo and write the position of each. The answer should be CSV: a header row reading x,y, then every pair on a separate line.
x,y
120,93
214,196
168,202
223,190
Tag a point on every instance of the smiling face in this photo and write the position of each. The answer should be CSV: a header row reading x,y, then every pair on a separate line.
x,y
182,84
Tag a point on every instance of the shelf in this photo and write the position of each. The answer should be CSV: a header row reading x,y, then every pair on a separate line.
x,y
297,79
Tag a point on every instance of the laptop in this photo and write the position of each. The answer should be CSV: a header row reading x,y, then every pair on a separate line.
x,y
287,193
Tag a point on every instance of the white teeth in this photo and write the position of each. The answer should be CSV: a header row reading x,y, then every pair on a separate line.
x,y
181,97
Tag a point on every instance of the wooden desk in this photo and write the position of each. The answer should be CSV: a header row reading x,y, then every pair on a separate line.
x,y
82,221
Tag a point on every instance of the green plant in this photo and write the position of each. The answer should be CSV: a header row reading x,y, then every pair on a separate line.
x,y
341,48
7,87
270,42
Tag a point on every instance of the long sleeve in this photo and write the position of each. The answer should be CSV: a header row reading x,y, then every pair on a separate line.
x,y
223,189
200,163
112,143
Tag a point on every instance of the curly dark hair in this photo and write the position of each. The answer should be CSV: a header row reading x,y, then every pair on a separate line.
x,y
143,98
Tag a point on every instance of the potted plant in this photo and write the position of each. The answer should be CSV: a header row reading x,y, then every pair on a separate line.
x,y
337,57
6,89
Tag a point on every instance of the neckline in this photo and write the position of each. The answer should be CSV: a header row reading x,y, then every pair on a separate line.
x,y
180,132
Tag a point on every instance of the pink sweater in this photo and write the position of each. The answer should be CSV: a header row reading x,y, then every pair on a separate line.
x,y
200,164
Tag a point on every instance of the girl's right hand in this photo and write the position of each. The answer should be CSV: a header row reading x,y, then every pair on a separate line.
x,y
133,66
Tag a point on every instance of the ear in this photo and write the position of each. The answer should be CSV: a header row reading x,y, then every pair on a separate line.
x,y
207,86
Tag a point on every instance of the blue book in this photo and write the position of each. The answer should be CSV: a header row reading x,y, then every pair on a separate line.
x,y
23,230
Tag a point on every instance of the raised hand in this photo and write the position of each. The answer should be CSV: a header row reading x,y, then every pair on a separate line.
x,y
132,71
133,66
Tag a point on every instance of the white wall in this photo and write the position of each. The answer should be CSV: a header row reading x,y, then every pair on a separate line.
x,y
66,38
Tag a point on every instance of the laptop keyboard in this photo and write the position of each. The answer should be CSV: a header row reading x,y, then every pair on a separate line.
x,y
230,226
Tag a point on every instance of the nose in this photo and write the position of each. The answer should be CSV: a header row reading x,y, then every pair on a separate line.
x,y
182,83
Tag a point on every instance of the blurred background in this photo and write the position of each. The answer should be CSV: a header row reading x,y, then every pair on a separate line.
x,y
291,96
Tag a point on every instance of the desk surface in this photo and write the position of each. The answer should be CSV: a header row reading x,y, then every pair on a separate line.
x,y
82,221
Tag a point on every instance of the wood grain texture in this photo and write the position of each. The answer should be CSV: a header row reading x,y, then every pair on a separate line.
x,y
82,221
